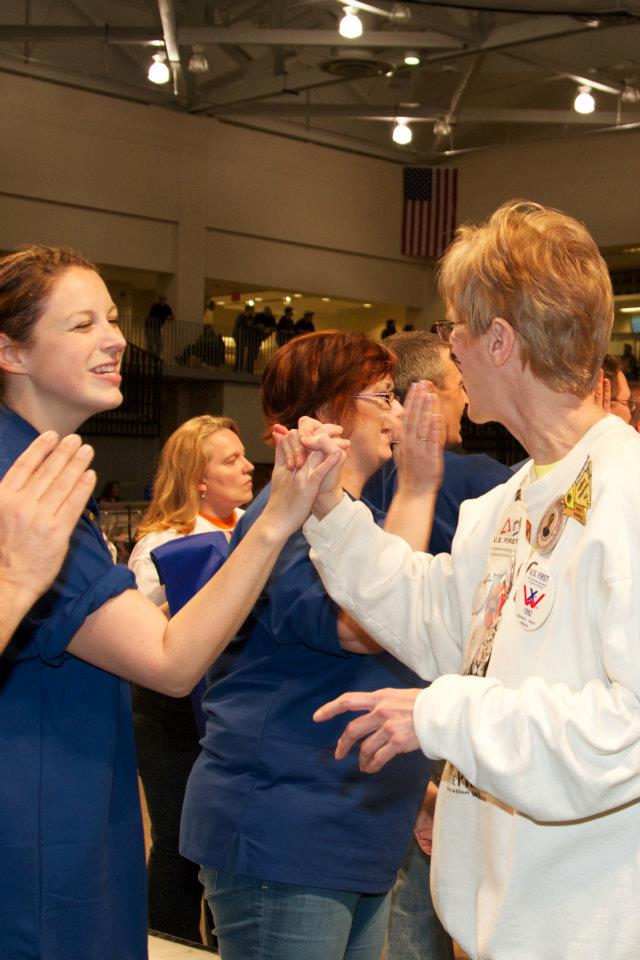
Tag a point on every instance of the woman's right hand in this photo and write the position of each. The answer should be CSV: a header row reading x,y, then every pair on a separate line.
x,y
301,468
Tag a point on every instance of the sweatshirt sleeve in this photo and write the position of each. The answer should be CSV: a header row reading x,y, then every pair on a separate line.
x,y
406,601
553,752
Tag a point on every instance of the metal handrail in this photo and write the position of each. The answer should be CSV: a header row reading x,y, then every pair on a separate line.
x,y
187,348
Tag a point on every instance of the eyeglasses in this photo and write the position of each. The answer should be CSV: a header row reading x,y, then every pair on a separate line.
x,y
631,404
444,328
387,397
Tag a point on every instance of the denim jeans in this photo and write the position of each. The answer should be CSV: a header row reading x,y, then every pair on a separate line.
x,y
415,932
264,920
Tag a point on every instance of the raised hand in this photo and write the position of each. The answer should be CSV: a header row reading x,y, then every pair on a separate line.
x,y
602,395
41,498
418,454
294,488
387,725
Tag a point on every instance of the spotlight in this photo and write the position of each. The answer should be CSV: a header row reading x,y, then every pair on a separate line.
x,y
159,71
402,134
630,94
198,62
584,102
411,58
400,11
351,25
442,127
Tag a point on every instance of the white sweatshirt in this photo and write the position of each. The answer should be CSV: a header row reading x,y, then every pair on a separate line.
x,y
537,834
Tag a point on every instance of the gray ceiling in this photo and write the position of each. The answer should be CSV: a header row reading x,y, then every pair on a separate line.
x,y
499,72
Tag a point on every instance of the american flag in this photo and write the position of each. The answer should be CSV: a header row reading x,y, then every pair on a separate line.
x,y
429,213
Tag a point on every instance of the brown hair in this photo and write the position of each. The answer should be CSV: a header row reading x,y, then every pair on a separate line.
x,y
175,502
321,372
26,281
541,271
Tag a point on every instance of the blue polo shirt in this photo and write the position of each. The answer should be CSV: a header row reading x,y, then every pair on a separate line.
x,y
266,798
72,877
466,476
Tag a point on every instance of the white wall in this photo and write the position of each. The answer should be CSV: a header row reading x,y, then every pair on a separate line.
x,y
594,178
144,187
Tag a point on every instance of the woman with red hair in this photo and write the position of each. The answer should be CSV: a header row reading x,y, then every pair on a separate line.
x,y
297,852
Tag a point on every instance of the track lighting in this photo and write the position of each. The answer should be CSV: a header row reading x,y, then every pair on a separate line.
x,y
351,25
402,134
159,71
442,127
198,62
584,102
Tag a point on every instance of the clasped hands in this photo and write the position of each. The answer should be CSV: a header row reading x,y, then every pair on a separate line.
x,y
418,453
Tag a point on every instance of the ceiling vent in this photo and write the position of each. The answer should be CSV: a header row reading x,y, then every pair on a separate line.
x,y
355,65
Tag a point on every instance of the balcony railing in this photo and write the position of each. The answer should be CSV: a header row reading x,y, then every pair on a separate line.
x,y
195,350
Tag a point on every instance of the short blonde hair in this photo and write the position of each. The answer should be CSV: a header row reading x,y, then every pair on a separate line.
x,y
175,502
541,271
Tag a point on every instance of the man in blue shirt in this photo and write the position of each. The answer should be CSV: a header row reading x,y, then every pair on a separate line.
x,y
414,932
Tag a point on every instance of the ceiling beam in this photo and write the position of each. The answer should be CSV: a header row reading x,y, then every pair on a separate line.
x,y
422,114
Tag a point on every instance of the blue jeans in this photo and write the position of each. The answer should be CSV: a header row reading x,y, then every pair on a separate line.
x,y
415,933
265,920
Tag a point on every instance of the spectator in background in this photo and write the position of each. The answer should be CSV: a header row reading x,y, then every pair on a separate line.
x,y
621,403
246,335
389,330
209,311
110,492
629,362
305,323
159,314
408,328
285,327
202,479
267,321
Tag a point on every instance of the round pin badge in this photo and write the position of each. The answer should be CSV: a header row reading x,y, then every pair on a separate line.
x,y
550,528
534,596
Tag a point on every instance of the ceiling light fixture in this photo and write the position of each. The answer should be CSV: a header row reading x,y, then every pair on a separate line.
x,y
400,11
442,127
411,58
159,71
351,25
402,134
584,102
198,62
630,94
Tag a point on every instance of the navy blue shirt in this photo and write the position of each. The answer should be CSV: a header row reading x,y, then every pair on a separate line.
x,y
72,877
266,798
465,478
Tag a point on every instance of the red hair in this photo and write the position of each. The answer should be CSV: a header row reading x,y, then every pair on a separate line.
x,y
320,374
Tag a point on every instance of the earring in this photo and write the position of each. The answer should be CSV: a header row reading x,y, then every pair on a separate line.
x,y
202,487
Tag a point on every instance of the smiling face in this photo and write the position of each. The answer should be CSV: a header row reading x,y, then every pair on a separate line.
x,y
374,427
70,368
227,477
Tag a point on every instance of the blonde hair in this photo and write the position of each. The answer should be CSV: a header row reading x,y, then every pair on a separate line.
x,y
175,502
540,270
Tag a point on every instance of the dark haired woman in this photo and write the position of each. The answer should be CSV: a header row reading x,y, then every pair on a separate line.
x,y
72,879
298,852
